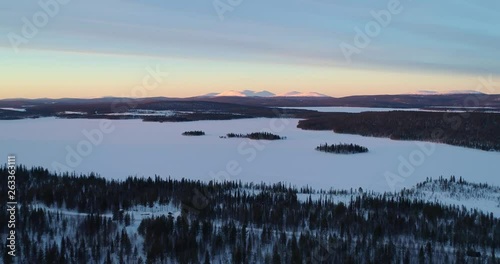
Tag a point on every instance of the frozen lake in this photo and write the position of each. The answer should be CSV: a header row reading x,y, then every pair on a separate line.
x,y
133,147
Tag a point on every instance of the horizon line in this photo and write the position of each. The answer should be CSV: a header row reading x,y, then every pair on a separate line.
x,y
261,97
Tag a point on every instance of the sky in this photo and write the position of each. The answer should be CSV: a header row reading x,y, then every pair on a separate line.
x,y
96,48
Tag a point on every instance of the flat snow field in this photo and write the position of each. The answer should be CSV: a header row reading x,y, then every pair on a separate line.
x,y
148,148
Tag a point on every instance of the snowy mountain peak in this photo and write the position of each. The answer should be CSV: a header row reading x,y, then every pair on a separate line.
x,y
250,93
301,94
232,93
244,93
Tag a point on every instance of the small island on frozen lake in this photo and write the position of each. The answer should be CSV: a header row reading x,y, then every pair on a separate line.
x,y
255,136
194,133
342,148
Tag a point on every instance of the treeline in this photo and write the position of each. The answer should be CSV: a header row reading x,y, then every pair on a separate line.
x,y
472,130
231,222
256,136
342,148
194,133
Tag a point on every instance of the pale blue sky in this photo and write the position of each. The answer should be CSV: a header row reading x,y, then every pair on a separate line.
x,y
449,43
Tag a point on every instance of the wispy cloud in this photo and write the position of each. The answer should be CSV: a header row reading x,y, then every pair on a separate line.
x,y
436,36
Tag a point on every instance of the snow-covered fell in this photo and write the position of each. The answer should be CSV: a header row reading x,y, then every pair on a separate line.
x,y
245,93
250,93
430,92
301,94
464,92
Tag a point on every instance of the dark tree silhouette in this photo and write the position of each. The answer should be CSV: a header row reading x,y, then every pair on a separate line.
x,y
256,136
194,133
342,148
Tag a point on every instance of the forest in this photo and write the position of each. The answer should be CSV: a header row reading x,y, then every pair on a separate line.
x,y
70,218
342,148
101,108
471,130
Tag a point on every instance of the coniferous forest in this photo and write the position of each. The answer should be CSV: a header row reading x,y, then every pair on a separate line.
x,y
468,129
342,148
68,218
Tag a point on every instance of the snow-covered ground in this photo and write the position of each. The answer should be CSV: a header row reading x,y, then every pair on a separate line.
x,y
141,112
13,109
74,113
148,148
469,195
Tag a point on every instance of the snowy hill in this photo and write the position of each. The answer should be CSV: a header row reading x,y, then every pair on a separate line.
x,y
453,92
250,93
244,93
464,92
458,192
301,94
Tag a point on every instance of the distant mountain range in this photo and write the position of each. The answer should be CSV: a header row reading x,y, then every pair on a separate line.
x,y
429,92
424,99
250,93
